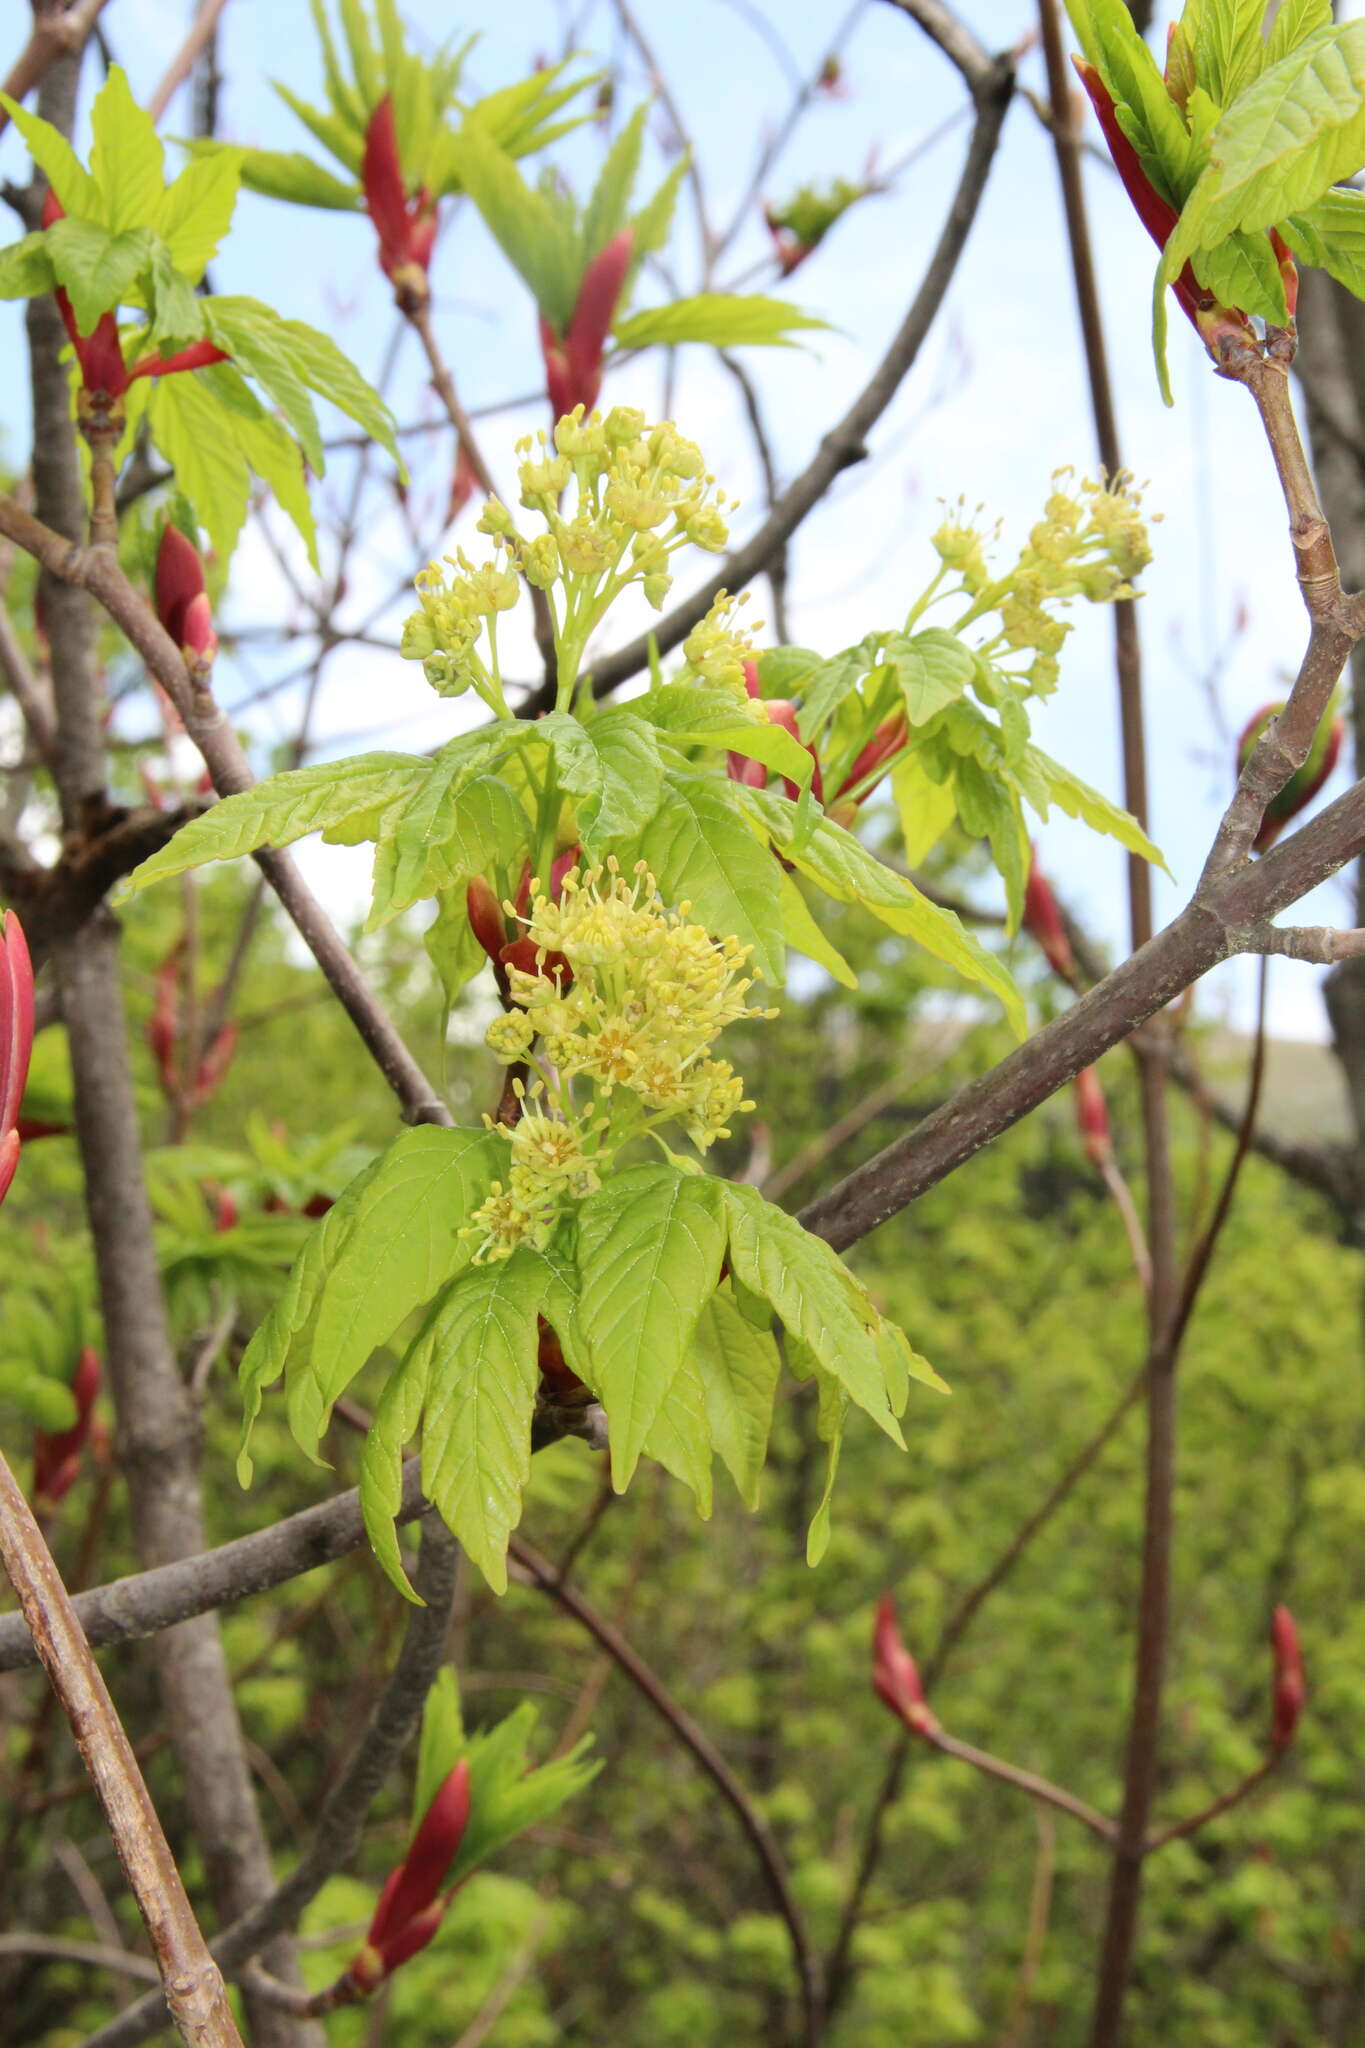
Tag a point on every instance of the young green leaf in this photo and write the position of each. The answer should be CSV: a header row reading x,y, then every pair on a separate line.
x,y
521,221
815,1295
739,1368
804,935
440,1742
833,1412
611,768
700,850
927,808
724,319
933,668
383,1249
1079,800
26,268
58,162
96,268
505,1796
322,797
845,870
127,161
650,1245
680,1439
449,829
714,718
480,1338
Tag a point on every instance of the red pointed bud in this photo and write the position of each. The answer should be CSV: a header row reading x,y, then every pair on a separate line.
x,y
752,774
57,1455
163,1028
214,1064
573,360
1289,1689
182,603
197,356
1304,784
413,1887
16,1022
1092,1118
406,227
550,1359
1043,921
1157,215
1289,274
461,485
885,743
226,1214
895,1675
485,915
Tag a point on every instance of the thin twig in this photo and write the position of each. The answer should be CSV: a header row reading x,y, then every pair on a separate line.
x,y
341,1822
194,1989
88,1952
1182,1829
1039,1913
1023,1781
651,1687
200,34
57,32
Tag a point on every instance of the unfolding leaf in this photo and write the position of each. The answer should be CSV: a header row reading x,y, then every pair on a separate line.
x,y
96,267
650,1245
448,829
610,766
815,1295
127,161
804,935
933,668
699,849
715,718
1079,800
724,319
739,1368
321,797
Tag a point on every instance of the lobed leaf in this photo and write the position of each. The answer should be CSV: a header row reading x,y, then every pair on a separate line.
x,y
700,850
650,1245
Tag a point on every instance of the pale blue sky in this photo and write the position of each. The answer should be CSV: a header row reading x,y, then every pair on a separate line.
x,y
996,402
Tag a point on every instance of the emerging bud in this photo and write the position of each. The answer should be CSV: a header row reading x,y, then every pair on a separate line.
x,y
485,915
1092,1118
1289,1688
885,743
406,227
182,603
573,360
410,1909
16,1040
1043,920
895,1676
57,1455
1304,784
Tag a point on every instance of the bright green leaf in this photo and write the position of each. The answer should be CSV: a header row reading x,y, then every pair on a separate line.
x,y
449,829
815,1295
284,808
127,161
724,319
96,268
700,850
26,268
58,162
1079,800
650,1245
739,1368
933,668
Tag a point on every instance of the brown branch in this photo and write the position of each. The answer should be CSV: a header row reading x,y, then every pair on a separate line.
x,y
57,32
1182,1829
954,38
839,1973
88,1952
693,1738
341,1822
95,570
201,33
846,442
146,1602
194,1990
1038,1788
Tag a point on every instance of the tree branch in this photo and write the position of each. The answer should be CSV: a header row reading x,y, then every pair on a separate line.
x,y
693,1738
341,1822
194,1990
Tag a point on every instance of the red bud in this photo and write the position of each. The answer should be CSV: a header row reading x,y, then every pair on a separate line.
x,y
885,743
1092,1117
406,227
1043,920
751,682
1304,784
573,360
485,916
530,958
1289,1688
214,1064
182,603
57,1455
16,1021
895,1675
409,1897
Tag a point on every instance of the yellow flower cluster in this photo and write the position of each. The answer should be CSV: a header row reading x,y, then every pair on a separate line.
x,y
1088,544
639,493
630,1015
717,650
